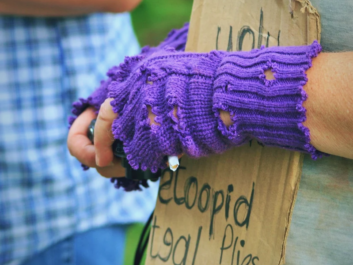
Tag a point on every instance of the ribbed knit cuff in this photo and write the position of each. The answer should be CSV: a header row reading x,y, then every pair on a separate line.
x,y
270,111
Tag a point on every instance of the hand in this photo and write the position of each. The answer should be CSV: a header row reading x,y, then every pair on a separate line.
x,y
103,137
101,154
82,148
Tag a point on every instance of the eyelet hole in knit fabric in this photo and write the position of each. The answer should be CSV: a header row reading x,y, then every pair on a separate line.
x,y
226,118
152,116
148,81
269,74
175,110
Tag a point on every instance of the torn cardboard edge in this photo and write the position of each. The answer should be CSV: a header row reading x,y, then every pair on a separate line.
x,y
290,212
313,20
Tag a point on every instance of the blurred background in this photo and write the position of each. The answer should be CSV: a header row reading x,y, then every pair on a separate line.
x,y
152,20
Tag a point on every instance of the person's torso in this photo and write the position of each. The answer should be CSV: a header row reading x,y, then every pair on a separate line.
x,y
321,230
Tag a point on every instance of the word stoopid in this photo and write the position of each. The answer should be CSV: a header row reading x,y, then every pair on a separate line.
x,y
203,198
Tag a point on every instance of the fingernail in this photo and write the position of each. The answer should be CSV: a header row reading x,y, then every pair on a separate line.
x,y
173,162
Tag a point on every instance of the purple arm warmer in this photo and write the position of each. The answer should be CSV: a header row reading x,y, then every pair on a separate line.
x,y
202,84
199,85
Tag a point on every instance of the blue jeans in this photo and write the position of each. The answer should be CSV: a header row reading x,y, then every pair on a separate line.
x,y
103,246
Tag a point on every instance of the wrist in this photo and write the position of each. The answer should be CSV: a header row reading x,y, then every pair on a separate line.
x,y
329,104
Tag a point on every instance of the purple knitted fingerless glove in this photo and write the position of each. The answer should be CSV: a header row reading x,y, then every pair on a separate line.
x,y
176,39
202,84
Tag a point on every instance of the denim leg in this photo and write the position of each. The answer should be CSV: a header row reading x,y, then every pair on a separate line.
x,y
61,253
101,246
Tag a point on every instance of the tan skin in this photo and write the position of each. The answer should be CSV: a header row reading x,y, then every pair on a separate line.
x,y
329,116
64,8
330,103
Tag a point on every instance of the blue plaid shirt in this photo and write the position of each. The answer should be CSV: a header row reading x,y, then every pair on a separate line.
x,y
45,65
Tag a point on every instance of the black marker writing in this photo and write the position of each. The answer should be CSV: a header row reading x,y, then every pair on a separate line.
x,y
182,245
216,208
247,31
242,200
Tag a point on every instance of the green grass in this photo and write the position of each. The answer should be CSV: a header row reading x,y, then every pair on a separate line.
x,y
132,238
152,21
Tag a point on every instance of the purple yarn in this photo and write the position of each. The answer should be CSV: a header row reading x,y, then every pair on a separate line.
x,y
176,39
270,111
128,184
95,100
202,84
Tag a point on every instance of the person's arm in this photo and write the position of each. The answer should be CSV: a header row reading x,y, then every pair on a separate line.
x,y
330,103
57,8
329,107
329,112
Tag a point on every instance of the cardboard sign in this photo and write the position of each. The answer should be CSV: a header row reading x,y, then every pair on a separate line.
x,y
233,208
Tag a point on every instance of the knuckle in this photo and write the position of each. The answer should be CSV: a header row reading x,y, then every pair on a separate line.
x,y
106,111
103,146
88,160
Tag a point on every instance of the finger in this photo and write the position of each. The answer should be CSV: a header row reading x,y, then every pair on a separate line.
x,y
103,136
115,170
77,141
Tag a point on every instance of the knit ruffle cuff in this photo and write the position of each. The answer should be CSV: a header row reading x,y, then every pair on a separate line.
x,y
270,111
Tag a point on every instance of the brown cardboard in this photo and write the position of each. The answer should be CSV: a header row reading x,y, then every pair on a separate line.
x,y
233,208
